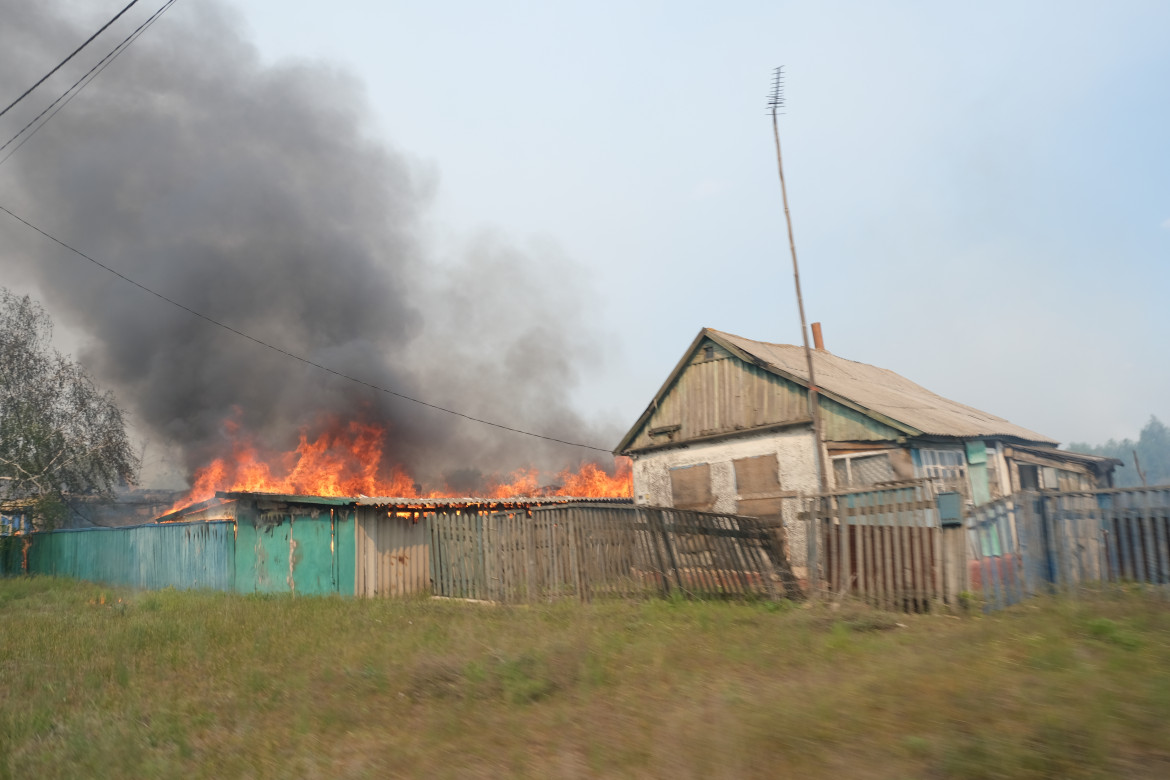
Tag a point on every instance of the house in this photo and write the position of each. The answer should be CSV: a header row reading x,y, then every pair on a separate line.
x,y
730,431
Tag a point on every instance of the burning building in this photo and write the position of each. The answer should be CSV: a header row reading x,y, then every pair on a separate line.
x,y
294,222
269,543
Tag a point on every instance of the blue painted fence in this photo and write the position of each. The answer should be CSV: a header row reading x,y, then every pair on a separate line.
x,y
1033,543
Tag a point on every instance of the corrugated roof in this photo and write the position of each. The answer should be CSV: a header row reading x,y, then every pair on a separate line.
x,y
878,390
399,503
1101,461
511,501
421,503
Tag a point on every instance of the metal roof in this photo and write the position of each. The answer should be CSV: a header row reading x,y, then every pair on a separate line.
x,y
1100,461
511,501
879,390
419,503
286,498
876,392
398,503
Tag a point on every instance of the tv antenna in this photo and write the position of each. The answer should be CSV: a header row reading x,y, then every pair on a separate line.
x,y
775,103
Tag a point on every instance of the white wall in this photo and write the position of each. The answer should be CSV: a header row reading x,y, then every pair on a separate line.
x,y
794,453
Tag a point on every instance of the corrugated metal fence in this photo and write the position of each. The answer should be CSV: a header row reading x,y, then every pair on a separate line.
x,y
585,551
1057,542
11,555
180,555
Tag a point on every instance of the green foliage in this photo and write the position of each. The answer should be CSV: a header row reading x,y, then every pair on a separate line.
x,y
1109,631
60,436
1153,451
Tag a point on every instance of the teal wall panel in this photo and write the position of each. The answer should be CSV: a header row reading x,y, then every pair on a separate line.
x,y
262,553
178,555
311,553
977,469
309,550
297,551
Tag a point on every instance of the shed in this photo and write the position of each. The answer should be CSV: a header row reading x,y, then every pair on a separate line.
x,y
364,546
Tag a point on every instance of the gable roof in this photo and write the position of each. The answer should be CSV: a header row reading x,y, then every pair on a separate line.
x,y
876,392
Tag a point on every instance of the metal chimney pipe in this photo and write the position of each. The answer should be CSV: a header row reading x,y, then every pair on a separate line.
x,y
818,339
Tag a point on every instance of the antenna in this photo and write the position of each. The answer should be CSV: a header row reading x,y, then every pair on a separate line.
x,y
775,103
776,96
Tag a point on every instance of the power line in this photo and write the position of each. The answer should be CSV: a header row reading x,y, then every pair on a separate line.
x,y
286,353
71,56
82,82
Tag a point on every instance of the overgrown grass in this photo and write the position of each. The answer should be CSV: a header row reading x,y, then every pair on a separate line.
x,y
105,682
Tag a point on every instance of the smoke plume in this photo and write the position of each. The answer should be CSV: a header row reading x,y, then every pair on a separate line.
x,y
259,195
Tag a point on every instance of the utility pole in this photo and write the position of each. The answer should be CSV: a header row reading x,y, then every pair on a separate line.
x,y
775,103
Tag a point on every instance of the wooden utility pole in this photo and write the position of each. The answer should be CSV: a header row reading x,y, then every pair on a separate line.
x,y
775,101
1137,464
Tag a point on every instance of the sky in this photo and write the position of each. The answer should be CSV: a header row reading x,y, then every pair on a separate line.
x,y
979,194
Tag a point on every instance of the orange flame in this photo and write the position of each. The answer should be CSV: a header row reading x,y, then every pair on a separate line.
x,y
348,460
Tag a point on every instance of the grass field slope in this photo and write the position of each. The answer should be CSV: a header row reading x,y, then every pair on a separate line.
x,y
114,683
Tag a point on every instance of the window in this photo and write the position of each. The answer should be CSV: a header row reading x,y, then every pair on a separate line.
x,y
862,469
690,488
757,481
940,464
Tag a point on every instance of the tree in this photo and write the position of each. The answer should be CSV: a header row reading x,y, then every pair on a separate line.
x,y
1153,451
60,436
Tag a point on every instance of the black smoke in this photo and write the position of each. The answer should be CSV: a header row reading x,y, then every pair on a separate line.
x,y
261,196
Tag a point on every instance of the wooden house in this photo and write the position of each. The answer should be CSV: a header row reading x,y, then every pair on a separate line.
x,y
730,431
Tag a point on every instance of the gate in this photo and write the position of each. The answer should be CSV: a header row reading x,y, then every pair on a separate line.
x,y
884,545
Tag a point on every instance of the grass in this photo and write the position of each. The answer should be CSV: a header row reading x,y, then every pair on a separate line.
x,y
110,682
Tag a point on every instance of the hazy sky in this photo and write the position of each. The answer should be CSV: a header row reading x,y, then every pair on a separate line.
x,y
980,192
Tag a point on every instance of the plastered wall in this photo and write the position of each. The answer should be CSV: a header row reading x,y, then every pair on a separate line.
x,y
794,452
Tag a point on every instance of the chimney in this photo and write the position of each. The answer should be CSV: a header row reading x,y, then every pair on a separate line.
x,y
818,339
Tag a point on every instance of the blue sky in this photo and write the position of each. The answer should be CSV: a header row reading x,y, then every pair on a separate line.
x,y
979,192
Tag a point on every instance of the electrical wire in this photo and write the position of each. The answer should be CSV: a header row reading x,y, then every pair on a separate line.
x,y
81,83
292,355
60,64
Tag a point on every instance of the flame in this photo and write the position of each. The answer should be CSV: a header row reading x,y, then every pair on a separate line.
x,y
348,459
589,481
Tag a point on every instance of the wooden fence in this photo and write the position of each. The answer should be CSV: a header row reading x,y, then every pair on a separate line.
x,y
1033,543
589,550
393,556
885,546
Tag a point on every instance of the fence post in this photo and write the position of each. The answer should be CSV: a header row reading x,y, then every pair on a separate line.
x,y
812,535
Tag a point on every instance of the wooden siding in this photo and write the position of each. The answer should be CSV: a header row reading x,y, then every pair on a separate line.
x,y
393,554
723,394
720,395
840,423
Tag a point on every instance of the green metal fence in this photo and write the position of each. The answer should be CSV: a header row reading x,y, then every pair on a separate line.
x,y
306,550
180,555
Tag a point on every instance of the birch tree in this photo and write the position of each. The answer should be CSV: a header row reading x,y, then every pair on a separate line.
x,y
60,435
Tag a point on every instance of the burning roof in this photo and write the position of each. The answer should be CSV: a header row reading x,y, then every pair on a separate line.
x,y
222,506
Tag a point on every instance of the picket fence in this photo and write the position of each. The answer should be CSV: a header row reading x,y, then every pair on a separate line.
x,y
885,546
